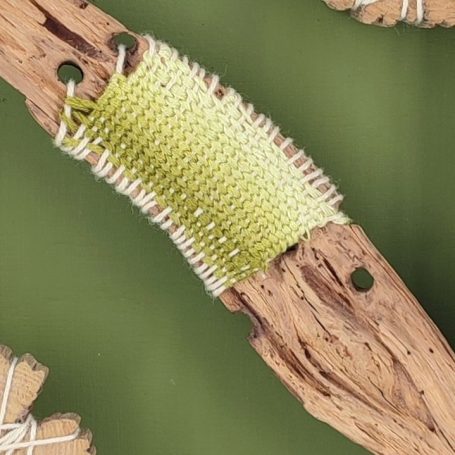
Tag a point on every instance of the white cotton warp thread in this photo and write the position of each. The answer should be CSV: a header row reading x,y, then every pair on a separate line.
x,y
20,436
404,8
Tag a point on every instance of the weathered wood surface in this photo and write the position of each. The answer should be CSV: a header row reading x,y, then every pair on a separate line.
x,y
28,380
387,13
372,364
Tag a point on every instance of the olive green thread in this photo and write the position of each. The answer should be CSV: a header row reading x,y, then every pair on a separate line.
x,y
212,170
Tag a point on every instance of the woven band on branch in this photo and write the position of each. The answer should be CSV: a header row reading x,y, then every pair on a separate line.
x,y
204,167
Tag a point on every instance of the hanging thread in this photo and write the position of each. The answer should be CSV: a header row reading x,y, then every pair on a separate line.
x,y
404,8
20,436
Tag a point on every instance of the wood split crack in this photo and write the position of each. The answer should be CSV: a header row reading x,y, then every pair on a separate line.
x,y
59,30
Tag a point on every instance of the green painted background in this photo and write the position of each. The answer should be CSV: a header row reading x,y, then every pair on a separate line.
x,y
152,364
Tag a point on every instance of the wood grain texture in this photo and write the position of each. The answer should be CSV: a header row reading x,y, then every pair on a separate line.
x,y
372,364
387,13
28,379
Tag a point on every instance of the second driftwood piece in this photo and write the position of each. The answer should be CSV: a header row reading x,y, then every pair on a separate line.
x,y
21,381
387,13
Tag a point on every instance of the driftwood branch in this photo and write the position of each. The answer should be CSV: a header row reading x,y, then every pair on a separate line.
x,y
371,364
27,382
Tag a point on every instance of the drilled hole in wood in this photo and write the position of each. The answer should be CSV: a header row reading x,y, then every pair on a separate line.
x,y
68,71
362,279
129,41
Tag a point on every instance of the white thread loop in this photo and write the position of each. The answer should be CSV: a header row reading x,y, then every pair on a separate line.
x,y
420,11
17,436
63,129
121,59
404,10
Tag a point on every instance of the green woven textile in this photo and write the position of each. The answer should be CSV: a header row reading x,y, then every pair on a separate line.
x,y
201,165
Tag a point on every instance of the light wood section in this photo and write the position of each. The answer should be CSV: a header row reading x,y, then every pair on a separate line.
x,y
371,364
28,379
387,13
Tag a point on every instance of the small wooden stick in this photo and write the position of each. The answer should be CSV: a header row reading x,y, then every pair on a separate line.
x,y
28,379
371,364
387,13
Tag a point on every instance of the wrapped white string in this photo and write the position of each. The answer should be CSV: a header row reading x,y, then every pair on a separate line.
x,y
404,8
17,436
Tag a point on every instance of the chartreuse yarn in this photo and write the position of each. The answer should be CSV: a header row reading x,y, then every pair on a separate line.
x,y
231,191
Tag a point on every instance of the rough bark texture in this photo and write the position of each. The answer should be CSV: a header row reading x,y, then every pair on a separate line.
x,y
387,13
370,364
28,380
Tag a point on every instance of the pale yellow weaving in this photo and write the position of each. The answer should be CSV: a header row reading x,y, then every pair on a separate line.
x,y
224,189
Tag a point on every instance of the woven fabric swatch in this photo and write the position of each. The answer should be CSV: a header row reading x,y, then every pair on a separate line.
x,y
207,168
